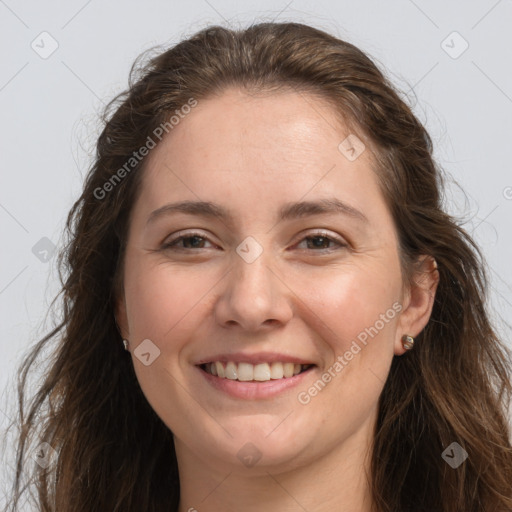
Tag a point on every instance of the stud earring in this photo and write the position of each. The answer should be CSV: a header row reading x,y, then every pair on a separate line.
x,y
125,343
407,342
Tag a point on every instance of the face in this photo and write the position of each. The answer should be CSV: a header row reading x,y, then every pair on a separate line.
x,y
301,307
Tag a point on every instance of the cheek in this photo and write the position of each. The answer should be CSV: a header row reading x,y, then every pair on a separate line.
x,y
355,312
163,299
352,303
163,305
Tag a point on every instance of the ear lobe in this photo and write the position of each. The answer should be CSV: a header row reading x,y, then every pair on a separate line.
x,y
419,300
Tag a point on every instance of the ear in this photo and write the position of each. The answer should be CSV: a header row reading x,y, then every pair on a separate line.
x,y
122,317
418,300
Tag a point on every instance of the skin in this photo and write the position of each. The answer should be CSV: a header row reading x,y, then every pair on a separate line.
x,y
252,155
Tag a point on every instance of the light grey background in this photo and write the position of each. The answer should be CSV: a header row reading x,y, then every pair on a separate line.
x,y
49,112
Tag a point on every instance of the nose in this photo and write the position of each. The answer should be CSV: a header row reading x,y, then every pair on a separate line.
x,y
254,297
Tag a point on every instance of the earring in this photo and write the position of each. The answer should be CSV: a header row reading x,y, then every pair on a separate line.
x,y
407,342
125,343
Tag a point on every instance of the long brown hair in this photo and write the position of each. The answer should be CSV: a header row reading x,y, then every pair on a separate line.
x,y
113,453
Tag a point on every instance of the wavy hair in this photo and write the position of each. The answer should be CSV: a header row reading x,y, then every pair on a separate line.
x,y
113,453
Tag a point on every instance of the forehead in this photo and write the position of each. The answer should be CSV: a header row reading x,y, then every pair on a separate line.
x,y
288,125
248,149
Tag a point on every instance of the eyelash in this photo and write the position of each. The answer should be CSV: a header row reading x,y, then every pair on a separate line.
x,y
171,245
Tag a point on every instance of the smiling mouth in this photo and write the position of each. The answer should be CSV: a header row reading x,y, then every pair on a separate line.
x,y
247,372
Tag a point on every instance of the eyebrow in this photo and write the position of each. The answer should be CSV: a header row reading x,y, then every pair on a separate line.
x,y
289,211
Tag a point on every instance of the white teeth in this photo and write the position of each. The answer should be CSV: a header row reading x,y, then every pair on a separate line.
x,y
231,371
262,372
247,372
276,371
288,369
220,369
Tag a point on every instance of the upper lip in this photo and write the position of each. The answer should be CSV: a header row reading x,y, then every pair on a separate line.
x,y
256,358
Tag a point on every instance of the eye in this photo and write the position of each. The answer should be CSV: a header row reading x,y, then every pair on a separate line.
x,y
320,242
316,242
189,241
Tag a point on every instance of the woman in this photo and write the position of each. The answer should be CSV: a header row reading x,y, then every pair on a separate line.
x,y
266,306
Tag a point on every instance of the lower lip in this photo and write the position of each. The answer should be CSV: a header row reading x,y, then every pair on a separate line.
x,y
254,390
